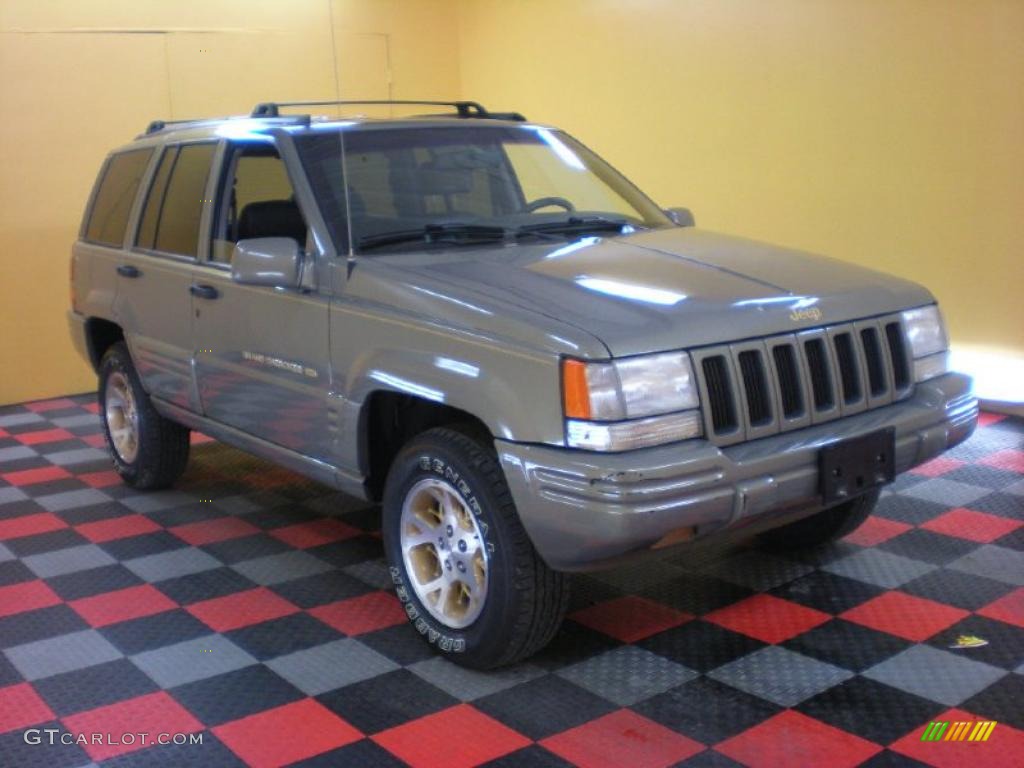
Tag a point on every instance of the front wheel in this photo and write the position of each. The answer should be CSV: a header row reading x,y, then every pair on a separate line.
x,y
148,450
823,527
464,569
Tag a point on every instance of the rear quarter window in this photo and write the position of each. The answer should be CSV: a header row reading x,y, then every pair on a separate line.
x,y
174,205
118,184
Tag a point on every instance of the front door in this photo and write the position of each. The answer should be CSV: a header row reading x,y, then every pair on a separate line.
x,y
154,300
261,353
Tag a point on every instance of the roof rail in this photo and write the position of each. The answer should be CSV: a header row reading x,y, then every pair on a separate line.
x,y
159,125
465,109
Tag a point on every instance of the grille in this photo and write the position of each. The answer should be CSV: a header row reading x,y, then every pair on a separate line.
x,y
779,383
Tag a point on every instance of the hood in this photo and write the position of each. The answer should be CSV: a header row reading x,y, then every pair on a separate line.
x,y
667,289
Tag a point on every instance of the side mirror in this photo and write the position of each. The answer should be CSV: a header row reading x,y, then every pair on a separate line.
x,y
682,217
275,261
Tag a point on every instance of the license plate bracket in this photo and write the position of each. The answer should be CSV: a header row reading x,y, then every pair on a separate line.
x,y
854,466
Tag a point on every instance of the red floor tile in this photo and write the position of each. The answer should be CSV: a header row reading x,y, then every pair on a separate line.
x,y
630,618
362,614
1011,459
116,528
986,419
241,609
26,596
41,406
92,407
458,737
122,604
971,525
797,741
622,738
33,476
20,707
767,618
1009,608
286,734
210,531
875,530
315,533
30,525
96,441
938,466
906,616
152,714
43,436
1004,748
101,479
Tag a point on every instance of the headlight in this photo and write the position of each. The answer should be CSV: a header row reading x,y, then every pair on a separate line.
x,y
629,392
929,344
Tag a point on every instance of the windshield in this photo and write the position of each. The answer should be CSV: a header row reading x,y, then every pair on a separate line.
x,y
411,188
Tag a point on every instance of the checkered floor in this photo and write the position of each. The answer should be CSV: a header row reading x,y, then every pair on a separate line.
x,y
236,608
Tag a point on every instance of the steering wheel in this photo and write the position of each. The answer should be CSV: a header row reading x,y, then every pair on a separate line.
x,y
544,202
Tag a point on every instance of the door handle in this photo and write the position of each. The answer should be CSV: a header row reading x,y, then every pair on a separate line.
x,y
204,291
127,270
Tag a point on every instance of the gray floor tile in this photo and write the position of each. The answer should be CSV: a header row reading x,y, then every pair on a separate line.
x,y
10,493
83,497
70,560
5,554
1017,489
274,569
170,565
633,578
468,684
332,665
372,572
76,456
937,675
65,653
79,420
236,505
627,675
942,491
993,562
878,567
780,675
15,452
17,419
152,502
192,660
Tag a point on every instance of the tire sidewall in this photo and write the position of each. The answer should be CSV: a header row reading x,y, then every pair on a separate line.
x,y
430,459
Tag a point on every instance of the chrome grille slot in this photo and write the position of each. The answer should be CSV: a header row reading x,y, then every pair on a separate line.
x,y
755,385
898,355
821,375
720,394
846,356
877,383
790,386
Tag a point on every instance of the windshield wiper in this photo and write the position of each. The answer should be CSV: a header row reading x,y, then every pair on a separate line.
x,y
452,232
577,225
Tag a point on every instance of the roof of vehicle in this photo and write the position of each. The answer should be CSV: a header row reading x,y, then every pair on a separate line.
x,y
267,116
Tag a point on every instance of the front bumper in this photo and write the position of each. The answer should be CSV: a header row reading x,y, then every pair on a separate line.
x,y
586,510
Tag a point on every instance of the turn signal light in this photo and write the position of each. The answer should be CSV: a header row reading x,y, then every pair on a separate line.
x,y
575,392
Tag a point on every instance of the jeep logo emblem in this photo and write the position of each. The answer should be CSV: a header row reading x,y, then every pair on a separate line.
x,y
805,314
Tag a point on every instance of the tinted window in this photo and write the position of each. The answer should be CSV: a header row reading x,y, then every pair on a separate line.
x,y
151,213
170,222
113,202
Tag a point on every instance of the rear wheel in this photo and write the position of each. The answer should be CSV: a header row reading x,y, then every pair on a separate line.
x,y
464,569
821,528
148,450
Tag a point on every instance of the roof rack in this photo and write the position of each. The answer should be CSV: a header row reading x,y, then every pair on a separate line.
x,y
464,109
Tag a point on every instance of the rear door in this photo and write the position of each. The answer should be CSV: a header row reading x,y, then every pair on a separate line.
x,y
154,299
261,351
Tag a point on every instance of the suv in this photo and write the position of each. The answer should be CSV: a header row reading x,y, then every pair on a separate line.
x,y
477,322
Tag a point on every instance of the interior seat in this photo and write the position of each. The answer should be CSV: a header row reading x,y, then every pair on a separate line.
x,y
272,218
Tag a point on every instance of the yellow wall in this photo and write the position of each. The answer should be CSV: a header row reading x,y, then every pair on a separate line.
x,y
79,78
885,132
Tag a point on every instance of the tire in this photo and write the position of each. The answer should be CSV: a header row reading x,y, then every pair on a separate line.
x,y
523,601
159,452
823,527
